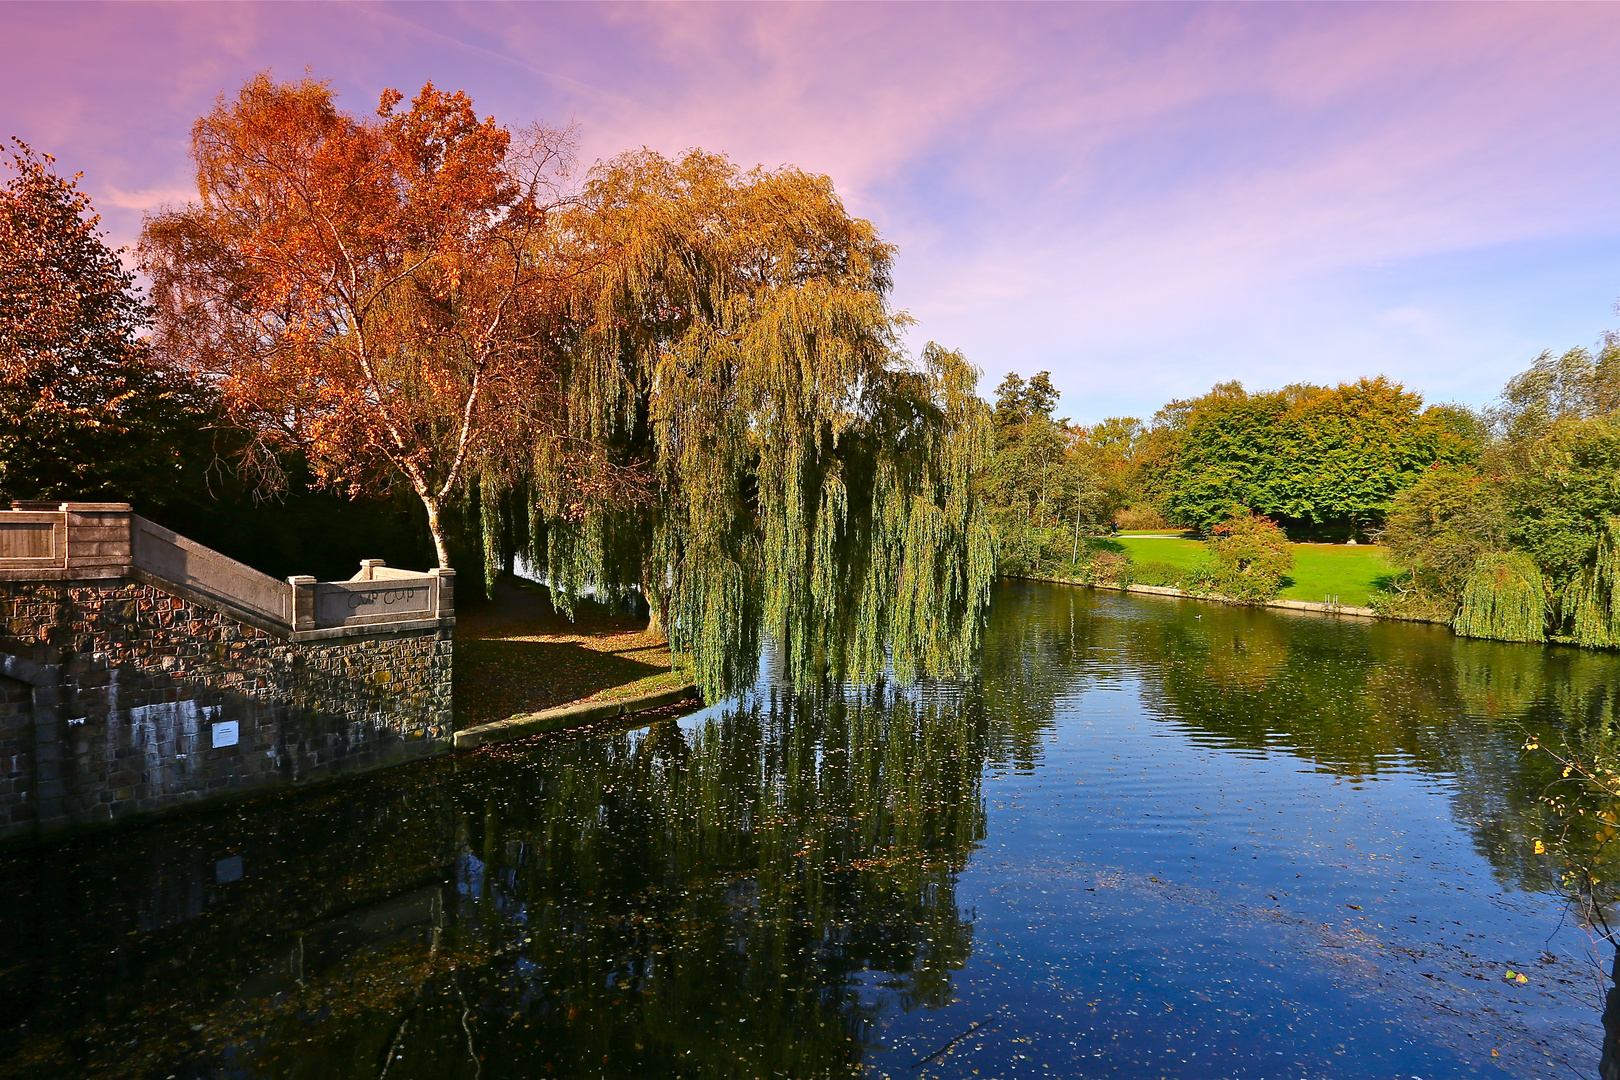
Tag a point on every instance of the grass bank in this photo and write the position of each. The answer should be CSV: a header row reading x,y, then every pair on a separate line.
x,y
517,655
1351,573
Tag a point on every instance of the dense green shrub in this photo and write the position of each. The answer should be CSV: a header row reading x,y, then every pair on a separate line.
x,y
1440,526
1406,601
1564,487
1110,568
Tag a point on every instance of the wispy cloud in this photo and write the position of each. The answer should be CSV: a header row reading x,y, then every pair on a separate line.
x,y
1143,198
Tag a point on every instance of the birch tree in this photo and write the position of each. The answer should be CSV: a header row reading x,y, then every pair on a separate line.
x,y
367,290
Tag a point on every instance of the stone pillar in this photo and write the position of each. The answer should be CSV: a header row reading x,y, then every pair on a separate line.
x,y
368,569
447,592
99,537
303,602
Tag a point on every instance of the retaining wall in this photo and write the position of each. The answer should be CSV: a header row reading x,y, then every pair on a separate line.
x,y
140,672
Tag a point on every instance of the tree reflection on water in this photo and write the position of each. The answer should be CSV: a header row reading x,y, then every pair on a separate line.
x,y
731,900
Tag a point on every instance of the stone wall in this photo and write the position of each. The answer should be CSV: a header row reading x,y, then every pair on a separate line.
x,y
120,697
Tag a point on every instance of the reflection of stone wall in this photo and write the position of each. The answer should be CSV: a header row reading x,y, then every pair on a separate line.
x,y
151,685
16,754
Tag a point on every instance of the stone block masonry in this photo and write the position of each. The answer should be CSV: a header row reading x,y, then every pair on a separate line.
x,y
124,692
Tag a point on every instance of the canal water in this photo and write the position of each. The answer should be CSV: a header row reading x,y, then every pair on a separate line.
x,y
1152,837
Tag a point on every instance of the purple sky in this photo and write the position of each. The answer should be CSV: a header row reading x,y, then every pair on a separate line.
x,y
1145,199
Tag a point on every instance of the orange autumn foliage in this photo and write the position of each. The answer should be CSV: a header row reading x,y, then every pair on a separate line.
x,y
381,293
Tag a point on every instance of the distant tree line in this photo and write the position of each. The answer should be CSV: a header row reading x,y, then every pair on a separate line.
x,y
1503,522
1310,457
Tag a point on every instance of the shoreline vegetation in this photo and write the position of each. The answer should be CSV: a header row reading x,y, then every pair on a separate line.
x,y
1182,594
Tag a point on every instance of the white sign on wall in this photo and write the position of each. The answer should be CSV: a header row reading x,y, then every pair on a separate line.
x,y
225,733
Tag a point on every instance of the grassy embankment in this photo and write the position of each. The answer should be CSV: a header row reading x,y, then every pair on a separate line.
x,y
516,655
1352,574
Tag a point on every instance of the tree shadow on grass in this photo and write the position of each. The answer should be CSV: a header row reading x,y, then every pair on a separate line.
x,y
498,678
519,655
1386,582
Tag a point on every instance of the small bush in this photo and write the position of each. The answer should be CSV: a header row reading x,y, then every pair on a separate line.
x,y
1110,568
1250,555
1411,603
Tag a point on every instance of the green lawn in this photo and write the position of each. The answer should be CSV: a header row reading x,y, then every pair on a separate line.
x,y
1350,573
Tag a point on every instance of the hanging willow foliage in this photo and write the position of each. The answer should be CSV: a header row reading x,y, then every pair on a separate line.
x,y
1591,596
1504,599
738,436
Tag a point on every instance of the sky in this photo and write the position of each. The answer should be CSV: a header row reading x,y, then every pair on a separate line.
x,y
1143,199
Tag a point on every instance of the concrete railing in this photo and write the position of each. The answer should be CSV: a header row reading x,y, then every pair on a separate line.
x,y
171,557
90,541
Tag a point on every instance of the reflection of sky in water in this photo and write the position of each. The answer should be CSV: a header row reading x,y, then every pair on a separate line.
x,y
1151,901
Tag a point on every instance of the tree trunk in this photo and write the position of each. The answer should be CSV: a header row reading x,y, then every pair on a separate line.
x,y
437,529
652,591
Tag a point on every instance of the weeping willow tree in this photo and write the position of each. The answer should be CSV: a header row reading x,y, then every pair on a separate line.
x,y
736,433
1591,596
1504,599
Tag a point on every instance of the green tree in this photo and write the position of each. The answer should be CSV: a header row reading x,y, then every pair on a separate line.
x,y
1307,454
1564,485
739,437
1211,451
1516,545
1504,599
1440,526
1591,597
1044,481
87,412
1108,452
1574,386
1347,451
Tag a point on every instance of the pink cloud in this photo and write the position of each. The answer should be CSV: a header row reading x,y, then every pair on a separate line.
x,y
1064,180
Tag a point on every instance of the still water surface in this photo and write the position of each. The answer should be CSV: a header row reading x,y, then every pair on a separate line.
x,y
1152,838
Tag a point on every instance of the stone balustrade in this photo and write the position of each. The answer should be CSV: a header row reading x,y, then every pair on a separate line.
x,y
77,541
